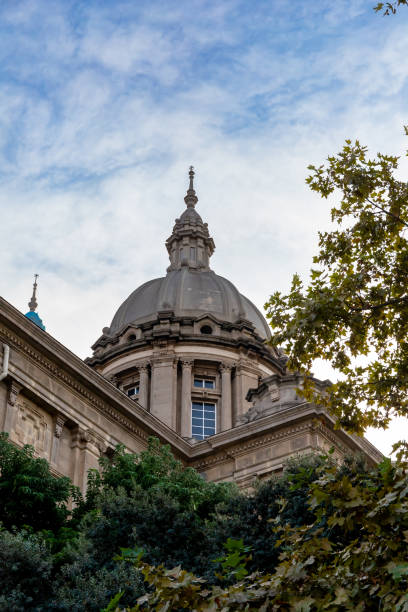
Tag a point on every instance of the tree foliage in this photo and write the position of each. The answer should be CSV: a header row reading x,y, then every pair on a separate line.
x,y
357,561
354,312
390,8
29,493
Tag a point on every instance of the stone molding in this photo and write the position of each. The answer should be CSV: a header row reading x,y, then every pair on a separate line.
x,y
158,428
214,449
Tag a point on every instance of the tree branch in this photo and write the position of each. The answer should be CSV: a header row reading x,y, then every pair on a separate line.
x,y
387,212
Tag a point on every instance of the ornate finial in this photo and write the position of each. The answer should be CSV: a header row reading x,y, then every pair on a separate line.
x,y
32,304
191,198
191,175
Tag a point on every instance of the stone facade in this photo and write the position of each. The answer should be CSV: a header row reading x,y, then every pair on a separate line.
x,y
186,358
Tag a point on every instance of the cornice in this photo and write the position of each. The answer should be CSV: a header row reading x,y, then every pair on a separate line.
x,y
55,359
252,342
47,353
275,426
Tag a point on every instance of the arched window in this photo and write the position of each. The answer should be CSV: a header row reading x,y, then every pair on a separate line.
x,y
206,329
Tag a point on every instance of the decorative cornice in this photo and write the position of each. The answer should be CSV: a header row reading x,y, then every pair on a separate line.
x,y
154,425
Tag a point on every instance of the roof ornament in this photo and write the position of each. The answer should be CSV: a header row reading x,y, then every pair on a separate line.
x,y
191,198
32,304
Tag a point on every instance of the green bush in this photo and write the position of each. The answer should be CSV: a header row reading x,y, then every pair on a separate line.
x,y
25,571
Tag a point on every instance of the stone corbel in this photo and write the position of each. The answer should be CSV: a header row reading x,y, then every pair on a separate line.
x,y
90,437
59,422
13,391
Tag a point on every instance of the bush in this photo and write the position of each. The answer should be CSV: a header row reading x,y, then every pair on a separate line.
x,y
25,571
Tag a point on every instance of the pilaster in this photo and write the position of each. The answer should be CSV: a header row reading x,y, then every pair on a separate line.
x,y
163,389
87,447
143,385
185,428
13,392
59,422
226,398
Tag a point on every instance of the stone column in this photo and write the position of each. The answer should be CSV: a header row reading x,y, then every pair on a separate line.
x,y
143,385
185,421
246,377
226,403
163,389
9,417
59,421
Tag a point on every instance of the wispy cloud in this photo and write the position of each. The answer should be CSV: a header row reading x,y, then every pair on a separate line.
x,y
104,104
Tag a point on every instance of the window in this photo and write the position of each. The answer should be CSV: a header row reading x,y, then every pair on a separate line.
x,y
206,329
192,253
133,391
204,383
203,420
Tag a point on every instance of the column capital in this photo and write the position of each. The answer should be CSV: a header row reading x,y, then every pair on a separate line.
x,y
143,365
225,367
186,362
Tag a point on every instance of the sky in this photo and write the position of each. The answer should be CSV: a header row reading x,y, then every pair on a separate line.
x,y
104,104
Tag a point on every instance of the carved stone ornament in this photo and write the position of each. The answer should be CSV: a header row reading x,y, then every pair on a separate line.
x,y
91,437
274,392
187,363
13,392
59,425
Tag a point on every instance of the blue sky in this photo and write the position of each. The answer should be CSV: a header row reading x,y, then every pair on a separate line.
x,y
105,104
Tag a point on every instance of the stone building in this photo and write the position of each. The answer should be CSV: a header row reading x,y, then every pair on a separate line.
x,y
186,358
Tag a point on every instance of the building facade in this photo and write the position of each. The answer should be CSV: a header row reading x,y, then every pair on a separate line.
x,y
186,358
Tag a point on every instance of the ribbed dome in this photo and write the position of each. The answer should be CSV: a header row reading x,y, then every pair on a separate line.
x,y
192,293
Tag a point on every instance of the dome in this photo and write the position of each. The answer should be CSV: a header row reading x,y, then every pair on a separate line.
x,y
189,292
190,288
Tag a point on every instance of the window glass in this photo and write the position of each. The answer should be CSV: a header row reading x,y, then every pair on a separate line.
x,y
204,383
203,420
132,391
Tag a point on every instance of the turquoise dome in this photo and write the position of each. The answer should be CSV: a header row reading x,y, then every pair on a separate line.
x,y
34,317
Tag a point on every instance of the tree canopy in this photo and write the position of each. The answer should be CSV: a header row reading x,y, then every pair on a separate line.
x,y
29,494
354,311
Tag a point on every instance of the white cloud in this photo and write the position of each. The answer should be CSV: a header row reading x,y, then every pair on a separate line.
x,y
102,112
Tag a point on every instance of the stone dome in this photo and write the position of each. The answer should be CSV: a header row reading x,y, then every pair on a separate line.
x,y
188,292
190,288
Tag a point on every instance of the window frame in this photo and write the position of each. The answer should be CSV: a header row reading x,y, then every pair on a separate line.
x,y
204,380
135,385
202,404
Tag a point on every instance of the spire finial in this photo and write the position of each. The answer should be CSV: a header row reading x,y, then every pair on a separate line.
x,y
32,304
191,198
191,175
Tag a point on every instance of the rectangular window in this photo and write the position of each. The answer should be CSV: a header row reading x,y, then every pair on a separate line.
x,y
132,391
203,383
192,253
203,420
